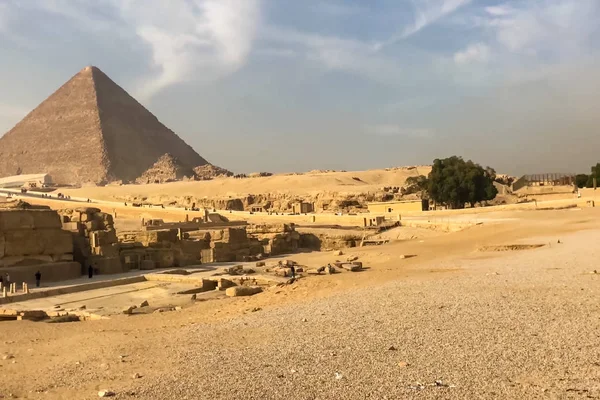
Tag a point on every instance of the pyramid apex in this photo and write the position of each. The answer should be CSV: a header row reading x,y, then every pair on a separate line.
x,y
90,68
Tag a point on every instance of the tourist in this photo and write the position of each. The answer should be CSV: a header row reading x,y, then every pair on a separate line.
x,y
7,279
90,272
38,278
293,271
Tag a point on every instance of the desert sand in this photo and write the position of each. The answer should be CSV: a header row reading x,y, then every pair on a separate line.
x,y
452,322
295,184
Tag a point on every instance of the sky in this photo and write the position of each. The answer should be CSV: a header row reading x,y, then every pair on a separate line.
x,y
290,85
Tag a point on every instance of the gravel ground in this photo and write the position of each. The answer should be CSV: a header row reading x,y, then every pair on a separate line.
x,y
519,326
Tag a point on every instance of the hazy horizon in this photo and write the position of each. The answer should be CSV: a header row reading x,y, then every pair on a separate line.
x,y
286,86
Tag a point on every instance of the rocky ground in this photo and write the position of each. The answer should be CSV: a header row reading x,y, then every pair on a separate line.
x,y
451,323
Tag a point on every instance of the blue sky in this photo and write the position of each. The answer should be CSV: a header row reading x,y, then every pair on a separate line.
x,y
290,85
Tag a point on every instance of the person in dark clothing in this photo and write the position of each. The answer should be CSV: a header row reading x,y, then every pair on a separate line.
x,y
38,278
293,268
90,272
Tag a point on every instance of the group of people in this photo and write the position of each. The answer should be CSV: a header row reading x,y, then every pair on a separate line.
x,y
5,280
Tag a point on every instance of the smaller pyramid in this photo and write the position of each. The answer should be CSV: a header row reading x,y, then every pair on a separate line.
x,y
166,169
209,171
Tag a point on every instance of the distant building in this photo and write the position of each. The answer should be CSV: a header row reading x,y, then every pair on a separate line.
x,y
28,181
301,207
396,207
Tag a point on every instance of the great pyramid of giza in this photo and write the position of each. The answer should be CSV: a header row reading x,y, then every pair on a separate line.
x,y
90,131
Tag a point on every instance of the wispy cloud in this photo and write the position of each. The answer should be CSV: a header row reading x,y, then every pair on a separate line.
x,y
397,130
426,12
335,53
475,53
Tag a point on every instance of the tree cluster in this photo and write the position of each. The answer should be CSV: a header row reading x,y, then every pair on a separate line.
x,y
585,180
455,182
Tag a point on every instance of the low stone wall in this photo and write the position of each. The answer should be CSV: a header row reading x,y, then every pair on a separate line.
x,y
51,272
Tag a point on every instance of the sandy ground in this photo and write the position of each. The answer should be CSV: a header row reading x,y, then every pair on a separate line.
x,y
515,324
307,183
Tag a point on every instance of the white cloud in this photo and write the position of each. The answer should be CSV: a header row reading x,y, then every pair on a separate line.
x,y
188,39
475,53
499,10
202,39
554,27
397,130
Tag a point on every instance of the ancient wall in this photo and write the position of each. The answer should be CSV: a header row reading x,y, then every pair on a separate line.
x,y
32,240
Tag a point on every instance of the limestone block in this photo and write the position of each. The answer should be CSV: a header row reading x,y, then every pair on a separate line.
x,y
62,257
243,291
105,217
88,210
223,284
107,265
164,258
105,237
73,227
13,261
22,242
108,250
46,219
147,264
15,219
55,241
93,225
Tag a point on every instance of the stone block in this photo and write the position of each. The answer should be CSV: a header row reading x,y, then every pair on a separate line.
x,y
223,284
107,250
105,237
243,291
88,210
16,261
56,241
15,219
107,265
22,242
76,227
62,257
147,265
91,226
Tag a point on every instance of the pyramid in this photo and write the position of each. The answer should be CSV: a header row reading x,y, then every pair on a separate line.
x,y
90,131
166,169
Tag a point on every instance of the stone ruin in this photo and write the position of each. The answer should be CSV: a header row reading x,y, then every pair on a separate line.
x,y
31,240
94,238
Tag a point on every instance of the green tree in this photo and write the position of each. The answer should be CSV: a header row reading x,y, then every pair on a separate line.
x,y
595,174
581,180
455,182
415,184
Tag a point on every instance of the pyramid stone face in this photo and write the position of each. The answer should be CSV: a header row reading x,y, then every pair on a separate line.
x,y
90,130
61,137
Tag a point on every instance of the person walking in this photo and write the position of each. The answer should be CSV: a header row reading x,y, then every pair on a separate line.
x,y
7,279
90,272
38,278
